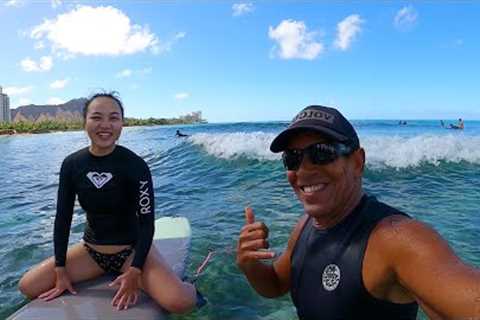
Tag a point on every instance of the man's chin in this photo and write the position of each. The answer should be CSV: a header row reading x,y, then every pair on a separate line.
x,y
315,211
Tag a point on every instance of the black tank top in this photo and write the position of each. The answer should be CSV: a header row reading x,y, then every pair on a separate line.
x,y
326,278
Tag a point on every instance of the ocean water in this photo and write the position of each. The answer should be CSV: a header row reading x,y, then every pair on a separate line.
x,y
427,171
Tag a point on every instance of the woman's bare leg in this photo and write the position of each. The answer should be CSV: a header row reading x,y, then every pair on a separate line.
x,y
80,266
162,284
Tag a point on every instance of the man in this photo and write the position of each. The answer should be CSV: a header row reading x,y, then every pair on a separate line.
x,y
351,256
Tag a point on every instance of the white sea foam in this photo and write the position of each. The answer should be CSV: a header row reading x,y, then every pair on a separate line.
x,y
402,152
252,145
382,151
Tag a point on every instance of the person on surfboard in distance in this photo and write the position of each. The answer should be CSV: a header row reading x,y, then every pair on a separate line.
x,y
114,187
180,135
351,256
460,125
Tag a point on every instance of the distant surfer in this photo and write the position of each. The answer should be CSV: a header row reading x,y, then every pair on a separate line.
x,y
180,135
349,255
459,126
114,187
402,123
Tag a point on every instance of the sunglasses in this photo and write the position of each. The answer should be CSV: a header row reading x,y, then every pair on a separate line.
x,y
319,153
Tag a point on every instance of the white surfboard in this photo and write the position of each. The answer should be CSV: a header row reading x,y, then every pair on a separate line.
x,y
93,298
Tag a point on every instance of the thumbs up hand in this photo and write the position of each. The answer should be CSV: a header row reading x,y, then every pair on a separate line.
x,y
252,242
249,215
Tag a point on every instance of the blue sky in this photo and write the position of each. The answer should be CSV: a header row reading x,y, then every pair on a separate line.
x,y
247,61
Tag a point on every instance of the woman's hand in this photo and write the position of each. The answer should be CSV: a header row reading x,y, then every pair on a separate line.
x,y
127,294
62,283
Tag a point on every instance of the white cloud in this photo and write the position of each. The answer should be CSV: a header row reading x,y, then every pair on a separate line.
x,y
180,35
167,45
182,96
95,31
65,56
242,8
15,91
406,18
14,3
39,45
59,84
55,100
56,3
347,30
29,65
295,41
124,73
24,101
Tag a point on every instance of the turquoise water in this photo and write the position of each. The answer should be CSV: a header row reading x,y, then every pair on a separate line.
x,y
428,172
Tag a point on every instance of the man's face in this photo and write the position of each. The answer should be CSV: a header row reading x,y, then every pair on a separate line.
x,y
325,190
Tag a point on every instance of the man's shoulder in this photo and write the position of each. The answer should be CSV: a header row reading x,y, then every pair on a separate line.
x,y
297,230
393,227
380,209
392,219
300,224
399,234
395,224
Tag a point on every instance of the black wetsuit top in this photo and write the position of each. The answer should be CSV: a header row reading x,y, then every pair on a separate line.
x,y
326,278
116,191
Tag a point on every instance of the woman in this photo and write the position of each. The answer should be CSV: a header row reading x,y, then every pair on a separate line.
x,y
114,187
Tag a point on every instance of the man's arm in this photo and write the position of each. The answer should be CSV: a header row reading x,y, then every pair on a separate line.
x,y
269,280
425,265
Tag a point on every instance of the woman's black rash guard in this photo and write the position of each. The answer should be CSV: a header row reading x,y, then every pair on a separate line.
x,y
116,191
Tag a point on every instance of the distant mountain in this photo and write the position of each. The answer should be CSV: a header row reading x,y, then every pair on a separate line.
x,y
71,110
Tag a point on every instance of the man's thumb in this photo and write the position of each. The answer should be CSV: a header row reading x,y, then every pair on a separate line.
x,y
249,216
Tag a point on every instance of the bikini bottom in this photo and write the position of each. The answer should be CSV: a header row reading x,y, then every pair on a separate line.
x,y
109,262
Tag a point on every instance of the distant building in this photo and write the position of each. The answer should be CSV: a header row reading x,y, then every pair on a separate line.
x,y
4,107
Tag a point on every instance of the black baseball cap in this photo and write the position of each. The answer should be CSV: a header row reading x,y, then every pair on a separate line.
x,y
325,120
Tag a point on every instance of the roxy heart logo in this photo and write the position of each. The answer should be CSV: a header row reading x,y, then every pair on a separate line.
x,y
99,179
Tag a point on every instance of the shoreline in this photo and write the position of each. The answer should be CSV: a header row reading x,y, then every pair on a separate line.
x,y
8,132
14,132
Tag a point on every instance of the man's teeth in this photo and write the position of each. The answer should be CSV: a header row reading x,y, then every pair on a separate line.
x,y
313,188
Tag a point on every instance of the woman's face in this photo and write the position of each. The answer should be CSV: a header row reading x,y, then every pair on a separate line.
x,y
103,125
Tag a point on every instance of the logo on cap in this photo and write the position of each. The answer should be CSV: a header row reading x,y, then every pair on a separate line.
x,y
312,114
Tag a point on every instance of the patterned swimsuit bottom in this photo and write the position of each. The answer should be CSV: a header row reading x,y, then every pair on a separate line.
x,y
109,262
